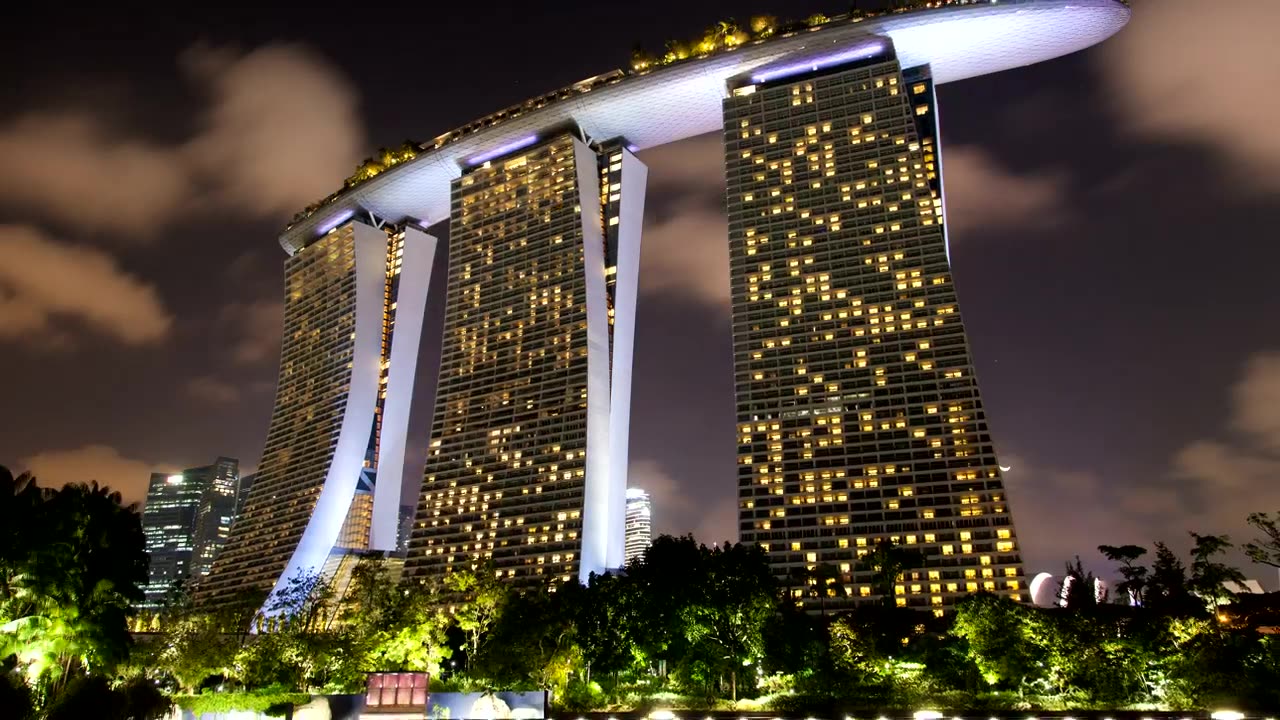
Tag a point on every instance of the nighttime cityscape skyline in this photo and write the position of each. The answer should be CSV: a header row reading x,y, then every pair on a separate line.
x,y
1126,406
896,359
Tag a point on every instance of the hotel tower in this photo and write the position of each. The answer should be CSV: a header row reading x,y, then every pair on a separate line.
x,y
859,420
528,455
330,477
859,416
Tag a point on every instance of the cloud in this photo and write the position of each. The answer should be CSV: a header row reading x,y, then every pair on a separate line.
x,y
209,389
44,282
105,464
981,194
1168,86
1257,400
1236,475
688,254
686,236
257,327
284,128
71,168
697,162
676,511
281,130
665,491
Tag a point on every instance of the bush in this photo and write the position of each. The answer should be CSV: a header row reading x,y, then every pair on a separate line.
x,y
273,701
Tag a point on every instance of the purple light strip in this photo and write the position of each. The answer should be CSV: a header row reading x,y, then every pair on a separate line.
x,y
860,53
342,217
499,151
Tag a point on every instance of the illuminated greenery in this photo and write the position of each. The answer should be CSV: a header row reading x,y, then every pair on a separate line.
x,y
72,561
727,35
685,626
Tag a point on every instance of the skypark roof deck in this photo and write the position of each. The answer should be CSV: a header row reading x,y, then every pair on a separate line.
x,y
670,103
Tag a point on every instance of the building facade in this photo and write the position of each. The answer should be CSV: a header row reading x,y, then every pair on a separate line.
x,y
859,415
639,530
186,519
354,305
526,467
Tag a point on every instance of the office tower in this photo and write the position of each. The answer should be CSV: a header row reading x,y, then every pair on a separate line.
x,y
527,462
859,415
639,523
185,521
217,511
242,494
354,303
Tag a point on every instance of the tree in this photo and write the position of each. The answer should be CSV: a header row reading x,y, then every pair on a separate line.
x,y
1265,550
888,560
822,581
305,603
1000,640
1208,576
482,599
735,599
1135,576
763,26
413,636
1079,587
1167,590
532,643
71,569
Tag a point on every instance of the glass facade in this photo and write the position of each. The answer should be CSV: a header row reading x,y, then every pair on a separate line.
x,y
639,523
859,416
186,519
519,456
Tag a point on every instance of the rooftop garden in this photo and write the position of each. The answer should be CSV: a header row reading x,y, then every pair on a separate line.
x,y
723,36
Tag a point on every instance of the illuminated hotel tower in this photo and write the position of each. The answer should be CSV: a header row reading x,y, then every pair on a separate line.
x,y
859,415
528,454
354,304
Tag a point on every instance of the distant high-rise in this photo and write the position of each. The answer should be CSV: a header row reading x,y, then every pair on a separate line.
x,y
639,523
186,520
354,306
246,484
527,461
859,416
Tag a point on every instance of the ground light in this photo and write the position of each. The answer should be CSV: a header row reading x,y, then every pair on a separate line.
x,y
1227,715
927,715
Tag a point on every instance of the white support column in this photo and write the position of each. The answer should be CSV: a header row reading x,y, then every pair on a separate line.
x,y
626,289
597,492
411,307
362,397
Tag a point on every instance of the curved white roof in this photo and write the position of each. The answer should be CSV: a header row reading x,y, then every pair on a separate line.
x,y
672,103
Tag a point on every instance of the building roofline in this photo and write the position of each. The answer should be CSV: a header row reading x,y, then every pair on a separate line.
x,y
677,101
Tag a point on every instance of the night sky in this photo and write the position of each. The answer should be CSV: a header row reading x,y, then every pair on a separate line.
x,y
1113,233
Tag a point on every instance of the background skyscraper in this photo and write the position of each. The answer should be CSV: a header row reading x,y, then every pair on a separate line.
x,y
639,528
186,519
354,305
526,465
859,415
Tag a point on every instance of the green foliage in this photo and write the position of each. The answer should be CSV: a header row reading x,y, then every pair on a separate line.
x,y
483,596
93,696
1265,550
260,701
72,562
